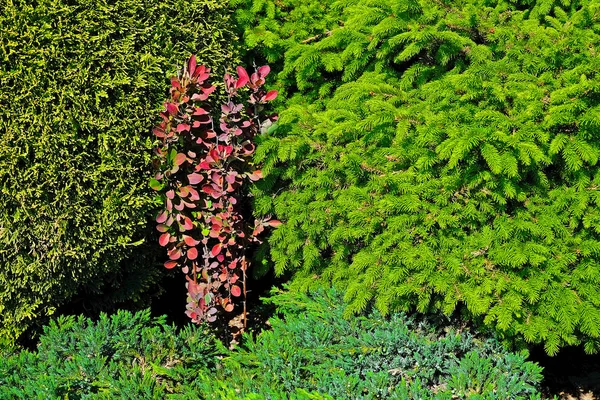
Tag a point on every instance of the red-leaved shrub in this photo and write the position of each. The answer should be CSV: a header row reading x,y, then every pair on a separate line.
x,y
203,167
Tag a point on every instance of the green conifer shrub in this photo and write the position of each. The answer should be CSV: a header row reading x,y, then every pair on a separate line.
x,y
439,155
125,355
81,84
310,353
315,349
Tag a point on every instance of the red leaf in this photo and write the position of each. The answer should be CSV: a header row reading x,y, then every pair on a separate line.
x,y
194,289
192,253
195,178
274,223
170,194
171,264
229,307
179,159
256,175
200,111
172,108
163,240
190,241
216,249
199,97
236,291
186,127
243,77
192,65
162,217
264,71
208,189
193,194
162,228
271,95
187,223
201,70
184,191
258,230
174,254
188,205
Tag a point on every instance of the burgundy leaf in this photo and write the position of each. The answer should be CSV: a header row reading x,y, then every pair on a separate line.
x,y
171,264
192,253
159,132
187,224
216,249
163,240
162,217
243,78
263,71
179,159
236,291
174,254
190,241
256,175
172,108
183,128
192,65
200,111
270,95
162,228
193,194
195,178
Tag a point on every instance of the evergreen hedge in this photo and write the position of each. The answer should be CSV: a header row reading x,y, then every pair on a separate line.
x,y
81,84
439,155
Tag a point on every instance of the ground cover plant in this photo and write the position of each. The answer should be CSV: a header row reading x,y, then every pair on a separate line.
x,y
81,84
438,155
312,352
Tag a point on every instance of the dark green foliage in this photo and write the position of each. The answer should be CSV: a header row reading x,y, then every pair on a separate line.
x,y
315,349
126,355
81,84
440,155
313,353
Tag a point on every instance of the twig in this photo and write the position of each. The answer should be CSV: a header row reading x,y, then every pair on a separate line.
x,y
244,285
316,37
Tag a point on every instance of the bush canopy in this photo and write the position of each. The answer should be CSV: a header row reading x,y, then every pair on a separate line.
x,y
439,155
81,85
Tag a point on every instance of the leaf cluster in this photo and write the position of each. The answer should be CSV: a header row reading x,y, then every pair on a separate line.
x,y
202,180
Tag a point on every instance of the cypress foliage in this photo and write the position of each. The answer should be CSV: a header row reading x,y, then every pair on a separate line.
x,y
439,155
81,84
